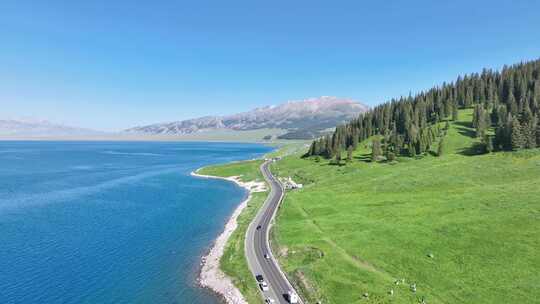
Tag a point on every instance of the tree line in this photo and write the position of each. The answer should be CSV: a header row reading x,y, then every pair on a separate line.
x,y
506,101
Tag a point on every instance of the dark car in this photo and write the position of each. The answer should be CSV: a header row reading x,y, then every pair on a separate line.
x,y
258,227
259,278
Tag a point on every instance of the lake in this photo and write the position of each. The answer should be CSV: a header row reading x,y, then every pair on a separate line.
x,y
110,222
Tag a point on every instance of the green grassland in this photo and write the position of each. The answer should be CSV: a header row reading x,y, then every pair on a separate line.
x,y
465,228
233,262
246,170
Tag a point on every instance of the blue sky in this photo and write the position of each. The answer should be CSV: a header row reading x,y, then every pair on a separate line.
x,y
110,65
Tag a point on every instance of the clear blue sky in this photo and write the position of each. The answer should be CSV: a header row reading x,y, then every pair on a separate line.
x,y
110,65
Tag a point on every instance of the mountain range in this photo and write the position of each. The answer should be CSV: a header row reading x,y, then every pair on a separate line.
x,y
24,128
303,119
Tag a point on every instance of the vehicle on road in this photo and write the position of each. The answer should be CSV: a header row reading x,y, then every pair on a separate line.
x,y
259,254
292,297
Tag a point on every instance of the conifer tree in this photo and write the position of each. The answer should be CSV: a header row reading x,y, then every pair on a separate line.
x,y
538,134
390,156
338,158
404,121
440,149
516,135
529,135
455,113
494,116
349,153
488,143
376,150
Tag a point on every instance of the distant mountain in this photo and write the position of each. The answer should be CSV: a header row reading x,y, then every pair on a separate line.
x,y
303,119
10,128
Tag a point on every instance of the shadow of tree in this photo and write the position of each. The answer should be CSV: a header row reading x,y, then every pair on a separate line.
x,y
432,153
466,124
334,163
475,149
465,128
364,158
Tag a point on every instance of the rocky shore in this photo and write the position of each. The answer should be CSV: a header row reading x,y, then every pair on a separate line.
x,y
211,275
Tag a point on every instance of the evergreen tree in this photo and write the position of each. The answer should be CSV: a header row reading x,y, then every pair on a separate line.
x,y
516,135
529,135
494,116
440,149
391,156
481,120
376,151
349,153
404,121
538,134
487,141
455,113
338,158
511,104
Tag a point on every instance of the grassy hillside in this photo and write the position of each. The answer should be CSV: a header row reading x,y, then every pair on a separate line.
x,y
464,228
233,261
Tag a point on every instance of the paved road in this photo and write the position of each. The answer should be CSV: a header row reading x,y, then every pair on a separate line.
x,y
257,244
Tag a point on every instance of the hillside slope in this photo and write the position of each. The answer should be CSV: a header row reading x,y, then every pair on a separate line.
x,y
465,228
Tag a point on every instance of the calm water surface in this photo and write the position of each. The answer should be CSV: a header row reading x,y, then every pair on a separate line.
x,y
110,222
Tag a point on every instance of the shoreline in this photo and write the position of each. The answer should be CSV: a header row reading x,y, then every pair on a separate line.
x,y
211,276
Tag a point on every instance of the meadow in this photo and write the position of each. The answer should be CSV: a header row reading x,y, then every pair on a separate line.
x,y
461,228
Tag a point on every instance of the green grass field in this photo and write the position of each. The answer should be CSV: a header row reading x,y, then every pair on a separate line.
x,y
233,262
464,228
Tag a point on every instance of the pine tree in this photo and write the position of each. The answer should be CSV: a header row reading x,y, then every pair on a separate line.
x,y
480,120
529,135
488,143
403,121
538,134
440,149
338,158
455,113
512,104
376,151
495,116
516,135
391,156
349,153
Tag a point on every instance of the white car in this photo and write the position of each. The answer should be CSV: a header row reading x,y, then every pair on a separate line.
x,y
269,300
266,256
264,286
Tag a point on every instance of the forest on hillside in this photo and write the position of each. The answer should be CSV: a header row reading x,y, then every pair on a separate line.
x,y
506,116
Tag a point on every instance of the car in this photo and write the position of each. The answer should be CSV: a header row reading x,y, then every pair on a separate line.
x,y
266,256
292,297
264,286
269,300
258,227
259,278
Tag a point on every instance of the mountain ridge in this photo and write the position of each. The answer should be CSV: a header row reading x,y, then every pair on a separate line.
x,y
17,128
300,119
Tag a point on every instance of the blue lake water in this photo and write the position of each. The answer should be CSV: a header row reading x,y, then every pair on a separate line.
x,y
110,222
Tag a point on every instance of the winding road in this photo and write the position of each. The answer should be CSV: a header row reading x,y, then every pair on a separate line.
x,y
259,256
